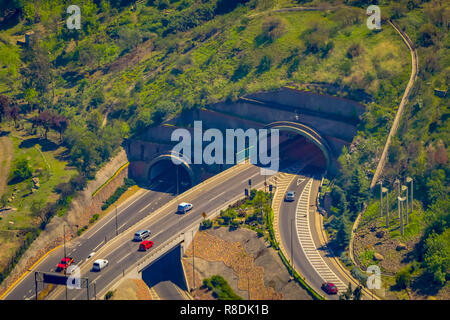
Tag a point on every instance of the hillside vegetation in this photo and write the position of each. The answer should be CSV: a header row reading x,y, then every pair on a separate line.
x,y
136,63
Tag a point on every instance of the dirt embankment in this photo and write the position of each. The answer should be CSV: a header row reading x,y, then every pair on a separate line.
x,y
244,260
132,289
6,154
81,210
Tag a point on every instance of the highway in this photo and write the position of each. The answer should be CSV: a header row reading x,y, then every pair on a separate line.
x,y
299,229
163,222
128,214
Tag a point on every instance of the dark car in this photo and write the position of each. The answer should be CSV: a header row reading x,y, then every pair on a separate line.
x,y
329,288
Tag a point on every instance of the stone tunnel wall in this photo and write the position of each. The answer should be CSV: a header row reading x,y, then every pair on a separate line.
x,y
333,118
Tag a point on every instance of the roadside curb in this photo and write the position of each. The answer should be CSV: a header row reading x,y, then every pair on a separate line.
x,y
27,272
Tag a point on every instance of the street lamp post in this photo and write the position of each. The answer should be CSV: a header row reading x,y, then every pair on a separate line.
x,y
397,182
400,205
292,251
409,179
405,189
385,190
381,198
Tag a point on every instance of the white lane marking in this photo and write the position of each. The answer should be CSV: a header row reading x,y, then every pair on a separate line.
x,y
119,212
95,249
123,258
306,240
155,202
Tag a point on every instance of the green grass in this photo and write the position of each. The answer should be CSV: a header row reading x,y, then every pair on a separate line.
x,y
366,258
53,172
221,288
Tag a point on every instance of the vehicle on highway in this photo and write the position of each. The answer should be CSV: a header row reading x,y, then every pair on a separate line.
x,y
290,196
141,235
71,269
184,207
99,264
145,245
329,288
64,264
91,254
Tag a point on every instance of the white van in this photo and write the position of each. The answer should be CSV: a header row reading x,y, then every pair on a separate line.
x,y
184,207
141,235
99,264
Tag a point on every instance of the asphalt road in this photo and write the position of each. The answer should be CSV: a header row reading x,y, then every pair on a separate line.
x,y
287,227
165,223
128,214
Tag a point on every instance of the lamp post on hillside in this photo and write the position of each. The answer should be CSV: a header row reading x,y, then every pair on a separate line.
x,y
397,182
400,205
405,189
409,179
386,191
381,197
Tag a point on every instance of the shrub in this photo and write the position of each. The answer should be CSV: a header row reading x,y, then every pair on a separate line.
x,y
22,170
206,224
354,50
272,29
222,290
109,295
359,274
403,278
241,71
264,64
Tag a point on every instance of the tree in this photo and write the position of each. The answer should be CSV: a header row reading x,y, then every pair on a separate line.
x,y
60,124
14,114
22,170
437,256
44,119
36,72
343,233
357,293
37,209
403,278
347,295
427,35
5,107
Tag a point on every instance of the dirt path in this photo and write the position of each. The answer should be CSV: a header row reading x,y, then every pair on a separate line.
x,y
6,153
401,107
395,124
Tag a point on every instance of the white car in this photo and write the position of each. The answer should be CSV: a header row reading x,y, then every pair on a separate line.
x,y
99,264
184,207
290,196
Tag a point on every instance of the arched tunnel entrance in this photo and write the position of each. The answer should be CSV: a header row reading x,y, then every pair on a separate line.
x,y
164,172
302,146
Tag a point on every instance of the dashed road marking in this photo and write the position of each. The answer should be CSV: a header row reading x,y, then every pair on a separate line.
x,y
306,240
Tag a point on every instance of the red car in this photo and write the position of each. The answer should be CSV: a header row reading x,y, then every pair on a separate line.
x,y
329,288
145,245
64,264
